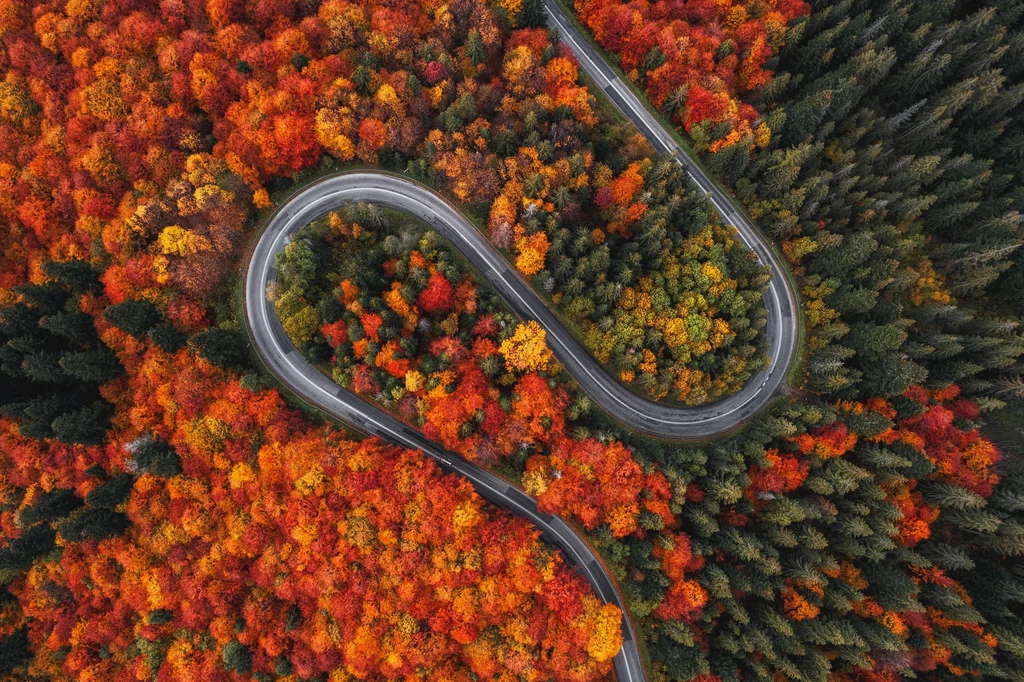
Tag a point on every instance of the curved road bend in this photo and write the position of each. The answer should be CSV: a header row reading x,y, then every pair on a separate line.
x,y
632,410
286,363
779,300
292,369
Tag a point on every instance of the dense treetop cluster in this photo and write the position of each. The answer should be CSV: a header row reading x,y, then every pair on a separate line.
x,y
165,516
237,539
698,60
142,460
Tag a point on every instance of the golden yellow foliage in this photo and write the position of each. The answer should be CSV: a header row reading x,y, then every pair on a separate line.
x,y
414,381
16,103
526,350
511,7
241,474
176,241
606,634
709,270
762,135
516,70
261,199
736,16
387,96
532,252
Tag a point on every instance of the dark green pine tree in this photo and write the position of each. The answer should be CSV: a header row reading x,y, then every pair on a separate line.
x,y
52,362
111,493
156,457
20,552
76,327
93,523
77,274
15,650
86,426
133,317
475,49
92,366
222,347
49,506
167,337
920,97
532,14
237,658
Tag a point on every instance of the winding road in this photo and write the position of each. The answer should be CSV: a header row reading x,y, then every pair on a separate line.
x,y
286,363
782,334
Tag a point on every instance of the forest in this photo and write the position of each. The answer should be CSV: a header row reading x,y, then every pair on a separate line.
x,y
454,362
886,171
166,513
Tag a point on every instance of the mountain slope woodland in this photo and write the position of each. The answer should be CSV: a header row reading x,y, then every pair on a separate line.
x,y
164,514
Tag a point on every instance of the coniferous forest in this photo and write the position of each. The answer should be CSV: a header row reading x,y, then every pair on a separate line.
x,y
168,511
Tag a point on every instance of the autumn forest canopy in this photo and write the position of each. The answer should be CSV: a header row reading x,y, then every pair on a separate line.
x,y
168,511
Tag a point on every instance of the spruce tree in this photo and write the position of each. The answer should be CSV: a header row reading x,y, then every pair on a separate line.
x,y
222,347
133,317
92,366
77,274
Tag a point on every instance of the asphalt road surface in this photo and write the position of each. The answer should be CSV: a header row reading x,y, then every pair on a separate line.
x,y
286,363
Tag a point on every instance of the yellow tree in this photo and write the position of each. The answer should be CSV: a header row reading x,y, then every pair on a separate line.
x,y
532,252
526,350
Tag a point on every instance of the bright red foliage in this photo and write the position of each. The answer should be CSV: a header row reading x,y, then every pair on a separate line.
x,y
685,598
138,136
964,457
437,297
335,332
785,473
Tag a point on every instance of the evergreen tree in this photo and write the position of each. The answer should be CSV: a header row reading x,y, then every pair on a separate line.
x,y
93,366
21,551
157,457
112,493
85,426
475,49
77,274
167,337
94,523
532,14
50,506
15,650
51,363
222,347
76,327
133,317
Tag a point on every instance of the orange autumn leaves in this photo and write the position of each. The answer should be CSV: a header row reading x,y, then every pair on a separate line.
x,y
696,60
285,542
686,597
963,457
934,432
479,383
108,154
801,599
597,484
